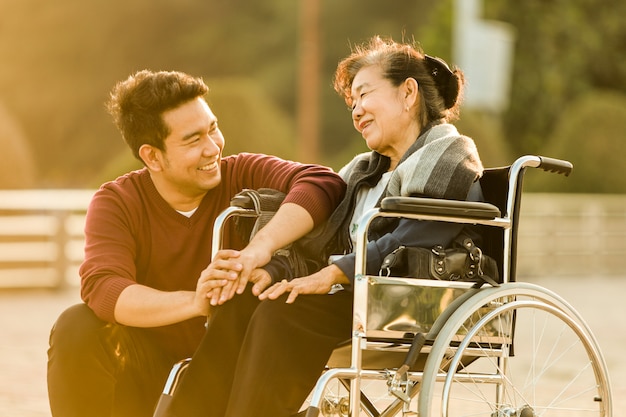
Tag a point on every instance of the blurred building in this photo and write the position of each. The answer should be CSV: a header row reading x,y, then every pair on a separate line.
x,y
484,50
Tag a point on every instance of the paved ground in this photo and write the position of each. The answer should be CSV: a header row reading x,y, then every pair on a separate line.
x,y
26,317
25,320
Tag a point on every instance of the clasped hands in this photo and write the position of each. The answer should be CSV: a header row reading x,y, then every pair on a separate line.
x,y
230,271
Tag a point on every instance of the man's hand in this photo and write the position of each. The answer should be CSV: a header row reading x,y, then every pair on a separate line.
x,y
219,276
142,306
237,267
290,223
320,282
254,256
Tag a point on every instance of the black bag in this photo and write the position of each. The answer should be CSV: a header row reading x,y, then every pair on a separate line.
x,y
463,262
265,202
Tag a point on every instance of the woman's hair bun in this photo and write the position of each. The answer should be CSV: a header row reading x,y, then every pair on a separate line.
x,y
445,79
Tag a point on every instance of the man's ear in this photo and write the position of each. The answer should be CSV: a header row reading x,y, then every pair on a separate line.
x,y
151,157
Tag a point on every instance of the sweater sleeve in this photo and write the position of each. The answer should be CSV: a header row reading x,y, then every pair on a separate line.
x,y
415,233
279,269
315,188
109,265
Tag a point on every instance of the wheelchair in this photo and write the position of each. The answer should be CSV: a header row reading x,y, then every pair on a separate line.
x,y
424,347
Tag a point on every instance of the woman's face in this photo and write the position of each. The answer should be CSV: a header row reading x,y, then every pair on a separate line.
x,y
383,113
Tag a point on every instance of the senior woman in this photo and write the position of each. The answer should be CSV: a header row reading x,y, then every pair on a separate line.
x,y
266,347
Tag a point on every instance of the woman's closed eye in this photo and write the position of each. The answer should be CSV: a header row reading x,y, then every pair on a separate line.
x,y
354,101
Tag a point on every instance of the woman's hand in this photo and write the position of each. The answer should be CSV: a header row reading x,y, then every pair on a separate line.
x,y
320,282
261,280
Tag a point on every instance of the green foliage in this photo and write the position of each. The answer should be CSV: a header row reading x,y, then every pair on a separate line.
x,y
346,154
486,131
56,74
590,134
564,49
435,34
347,23
249,120
118,165
18,169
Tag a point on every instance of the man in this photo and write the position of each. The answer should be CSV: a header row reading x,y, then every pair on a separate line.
x,y
145,281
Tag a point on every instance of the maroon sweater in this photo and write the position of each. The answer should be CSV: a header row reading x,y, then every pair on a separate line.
x,y
134,236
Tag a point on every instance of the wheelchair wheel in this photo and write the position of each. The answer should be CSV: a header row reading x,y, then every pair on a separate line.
x,y
530,353
335,401
375,398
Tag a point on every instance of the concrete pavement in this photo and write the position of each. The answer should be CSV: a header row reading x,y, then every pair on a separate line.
x,y
27,315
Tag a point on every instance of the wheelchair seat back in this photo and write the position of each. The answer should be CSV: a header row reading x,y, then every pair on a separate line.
x,y
399,308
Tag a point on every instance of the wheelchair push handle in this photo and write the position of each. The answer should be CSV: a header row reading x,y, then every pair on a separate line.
x,y
558,166
242,201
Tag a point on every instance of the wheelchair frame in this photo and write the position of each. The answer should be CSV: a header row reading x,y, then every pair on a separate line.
x,y
461,330
470,327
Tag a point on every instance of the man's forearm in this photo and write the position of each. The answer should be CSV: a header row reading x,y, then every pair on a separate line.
x,y
141,306
290,223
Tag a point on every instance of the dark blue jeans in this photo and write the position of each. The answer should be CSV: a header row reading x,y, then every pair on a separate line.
x,y
99,369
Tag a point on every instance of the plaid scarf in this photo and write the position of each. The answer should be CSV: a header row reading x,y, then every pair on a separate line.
x,y
440,164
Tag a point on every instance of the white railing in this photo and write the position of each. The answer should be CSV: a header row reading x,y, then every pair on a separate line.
x,y
572,235
41,236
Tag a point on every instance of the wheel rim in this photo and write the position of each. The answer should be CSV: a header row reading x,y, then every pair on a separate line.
x,y
556,369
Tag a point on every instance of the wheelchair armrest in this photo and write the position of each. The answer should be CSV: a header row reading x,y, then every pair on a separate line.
x,y
440,207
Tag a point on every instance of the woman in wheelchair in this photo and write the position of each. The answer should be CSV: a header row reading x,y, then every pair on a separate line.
x,y
264,349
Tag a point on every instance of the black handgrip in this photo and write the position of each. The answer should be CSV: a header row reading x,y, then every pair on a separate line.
x,y
558,166
242,201
416,346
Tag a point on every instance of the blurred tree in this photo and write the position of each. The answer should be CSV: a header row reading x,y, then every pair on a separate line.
x,y
565,48
250,120
18,169
253,123
345,24
486,130
589,133
61,58
58,72
308,90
